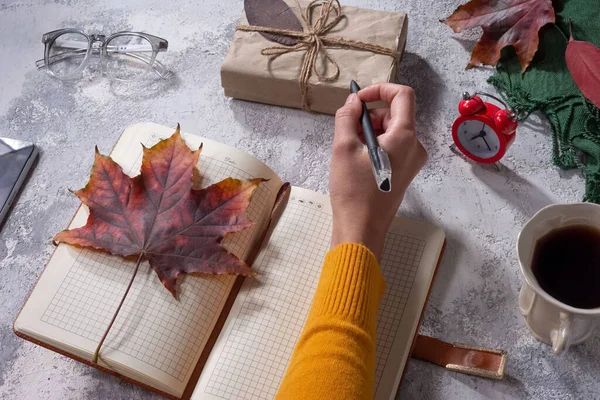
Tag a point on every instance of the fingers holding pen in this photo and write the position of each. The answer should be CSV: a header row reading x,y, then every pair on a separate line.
x,y
346,127
402,104
380,118
393,123
398,121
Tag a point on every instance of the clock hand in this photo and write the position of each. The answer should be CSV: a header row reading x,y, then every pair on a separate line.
x,y
481,133
486,143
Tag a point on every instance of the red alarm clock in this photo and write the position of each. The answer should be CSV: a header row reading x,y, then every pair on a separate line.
x,y
483,131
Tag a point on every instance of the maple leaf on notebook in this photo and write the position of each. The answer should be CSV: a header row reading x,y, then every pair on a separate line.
x,y
504,23
160,217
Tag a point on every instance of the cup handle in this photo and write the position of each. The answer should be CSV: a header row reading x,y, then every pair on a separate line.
x,y
561,337
527,298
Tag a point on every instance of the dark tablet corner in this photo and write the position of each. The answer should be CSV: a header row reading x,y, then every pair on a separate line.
x,y
16,159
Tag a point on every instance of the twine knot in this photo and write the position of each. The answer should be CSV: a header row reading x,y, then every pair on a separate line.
x,y
315,42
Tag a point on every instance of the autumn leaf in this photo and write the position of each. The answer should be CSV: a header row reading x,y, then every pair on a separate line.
x,y
583,61
504,23
160,217
273,14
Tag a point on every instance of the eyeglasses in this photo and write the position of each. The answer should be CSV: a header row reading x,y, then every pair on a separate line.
x,y
124,56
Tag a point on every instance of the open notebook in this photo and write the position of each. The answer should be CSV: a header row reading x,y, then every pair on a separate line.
x,y
191,347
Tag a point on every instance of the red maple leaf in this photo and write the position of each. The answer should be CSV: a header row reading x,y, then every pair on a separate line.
x,y
504,23
583,62
160,217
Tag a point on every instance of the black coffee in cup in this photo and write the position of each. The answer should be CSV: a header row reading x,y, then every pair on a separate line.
x,y
566,264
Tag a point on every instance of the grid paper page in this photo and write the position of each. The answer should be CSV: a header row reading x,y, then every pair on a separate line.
x,y
265,331
255,351
399,263
91,292
152,326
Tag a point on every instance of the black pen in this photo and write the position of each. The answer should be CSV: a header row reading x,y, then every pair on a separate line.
x,y
382,169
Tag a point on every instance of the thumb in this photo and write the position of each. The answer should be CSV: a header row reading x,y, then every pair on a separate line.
x,y
346,121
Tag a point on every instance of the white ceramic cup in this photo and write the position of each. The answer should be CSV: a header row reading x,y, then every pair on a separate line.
x,y
548,319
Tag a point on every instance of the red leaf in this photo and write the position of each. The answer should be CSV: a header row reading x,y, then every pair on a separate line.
x,y
504,23
158,214
583,61
273,14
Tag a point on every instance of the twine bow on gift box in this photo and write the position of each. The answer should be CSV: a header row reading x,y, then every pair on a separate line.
x,y
314,41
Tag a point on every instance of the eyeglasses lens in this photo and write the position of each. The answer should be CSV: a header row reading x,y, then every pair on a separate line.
x,y
128,57
66,54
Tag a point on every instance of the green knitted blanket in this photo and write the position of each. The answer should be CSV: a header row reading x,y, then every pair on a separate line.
x,y
547,86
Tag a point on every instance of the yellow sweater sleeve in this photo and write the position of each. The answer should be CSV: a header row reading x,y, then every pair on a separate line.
x,y
335,354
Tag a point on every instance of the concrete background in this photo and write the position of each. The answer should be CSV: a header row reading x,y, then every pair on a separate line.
x,y
474,299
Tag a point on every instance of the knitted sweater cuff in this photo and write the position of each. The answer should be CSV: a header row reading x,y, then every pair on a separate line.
x,y
353,284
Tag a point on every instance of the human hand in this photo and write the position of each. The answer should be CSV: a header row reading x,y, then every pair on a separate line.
x,y
361,212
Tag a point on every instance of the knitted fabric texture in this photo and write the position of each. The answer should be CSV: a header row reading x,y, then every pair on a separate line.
x,y
547,86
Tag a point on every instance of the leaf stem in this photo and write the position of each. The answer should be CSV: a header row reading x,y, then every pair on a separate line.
x,y
561,31
97,352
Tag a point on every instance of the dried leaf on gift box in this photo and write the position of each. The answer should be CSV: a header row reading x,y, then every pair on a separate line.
x,y
504,23
257,70
273,14
583,61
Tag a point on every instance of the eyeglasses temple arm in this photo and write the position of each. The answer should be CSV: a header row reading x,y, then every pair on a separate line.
x,y
40,64
158,67
161,70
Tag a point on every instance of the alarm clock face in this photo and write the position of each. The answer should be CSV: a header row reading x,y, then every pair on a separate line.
x,y
478,138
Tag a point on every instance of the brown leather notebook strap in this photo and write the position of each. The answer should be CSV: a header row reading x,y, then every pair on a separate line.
x,y
480,361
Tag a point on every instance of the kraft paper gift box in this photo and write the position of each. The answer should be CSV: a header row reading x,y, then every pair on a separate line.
x,y
249,75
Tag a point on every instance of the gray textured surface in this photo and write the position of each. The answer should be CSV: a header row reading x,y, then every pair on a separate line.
x,y
474,299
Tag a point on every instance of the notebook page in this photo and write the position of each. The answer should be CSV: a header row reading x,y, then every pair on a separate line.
x,y
155,339
410,256
254,348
